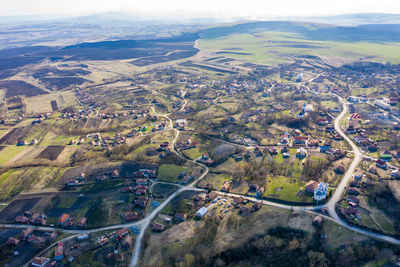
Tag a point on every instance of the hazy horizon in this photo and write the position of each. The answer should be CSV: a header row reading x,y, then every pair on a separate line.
x,y
193,9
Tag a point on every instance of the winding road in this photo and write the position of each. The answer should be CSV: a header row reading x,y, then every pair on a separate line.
x,y
145,222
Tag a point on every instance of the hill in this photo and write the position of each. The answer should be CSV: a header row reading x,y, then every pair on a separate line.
x,y
271,42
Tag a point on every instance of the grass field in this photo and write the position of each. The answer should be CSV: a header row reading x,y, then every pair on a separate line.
x,y
7,174
279,47
52,139
170,172
386,225
100,186
216,180
3,132
66,203
38,104
284,189
192,153
337,236
10,152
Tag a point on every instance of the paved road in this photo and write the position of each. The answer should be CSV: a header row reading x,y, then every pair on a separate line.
x,y
357,157
145,223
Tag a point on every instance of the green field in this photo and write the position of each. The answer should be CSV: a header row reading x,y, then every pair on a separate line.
x,y
170,172
52,139
273,47
284,189
67,202
7,174
38,104
216,180
192,153
9,152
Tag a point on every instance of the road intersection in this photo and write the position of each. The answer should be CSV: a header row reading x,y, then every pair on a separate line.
x,y
145,222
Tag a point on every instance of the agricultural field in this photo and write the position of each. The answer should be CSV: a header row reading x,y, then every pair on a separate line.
x,y
15,88
284,189
10,152
272,44
51,152
42,104
170,172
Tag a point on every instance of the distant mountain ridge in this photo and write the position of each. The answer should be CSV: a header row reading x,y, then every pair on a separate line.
x,y
313,31
355,19
122,16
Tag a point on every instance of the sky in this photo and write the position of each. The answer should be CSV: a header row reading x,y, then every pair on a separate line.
x,y
200,8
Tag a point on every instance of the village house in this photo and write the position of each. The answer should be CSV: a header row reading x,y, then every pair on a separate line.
x,y
300,140
82,222
201,212
63,220
102,241
285,149
21,219
253,187
121,233
25,234
199,198
205,158
273,151
12,241
358,175
40,261
180,217
186,179
53,236
372,169
285,138
311,186
127,189
260,191
351,211
340,169
157,227
313,143
139,203
353,199
184,145
256,206
38,219
127,242
225,187
35,239
59,251
318,220
210,186
337,137
130,216
386,156
115,173
141,182
353,191
140,192
301,153
395,174
21,143
237,201
381,164
329,128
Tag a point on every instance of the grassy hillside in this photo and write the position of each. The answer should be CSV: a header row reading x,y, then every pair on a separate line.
x,y
280,42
